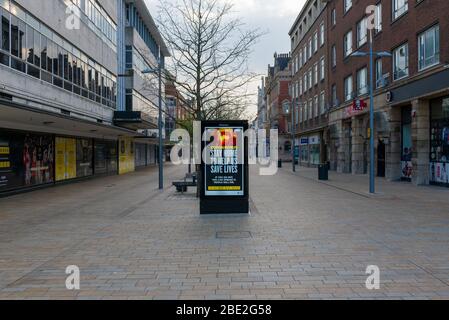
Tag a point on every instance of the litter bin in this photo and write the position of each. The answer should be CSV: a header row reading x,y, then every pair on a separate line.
x,y
323,172
279,163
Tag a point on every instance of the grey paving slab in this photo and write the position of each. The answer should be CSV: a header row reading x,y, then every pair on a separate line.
x,y
308,240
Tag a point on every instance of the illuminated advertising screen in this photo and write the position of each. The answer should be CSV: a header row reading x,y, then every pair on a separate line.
x,y
224,165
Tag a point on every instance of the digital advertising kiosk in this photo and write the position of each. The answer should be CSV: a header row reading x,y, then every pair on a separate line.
x,y
224,168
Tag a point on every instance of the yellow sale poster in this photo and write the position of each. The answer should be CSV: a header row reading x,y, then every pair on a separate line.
x,y
65,159
126,158
60,159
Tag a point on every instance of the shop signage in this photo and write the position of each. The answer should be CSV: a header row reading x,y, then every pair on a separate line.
x,y
304,141
314,140
358,105
224,187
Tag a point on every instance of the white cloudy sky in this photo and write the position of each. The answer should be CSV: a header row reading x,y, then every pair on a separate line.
x,y
274,16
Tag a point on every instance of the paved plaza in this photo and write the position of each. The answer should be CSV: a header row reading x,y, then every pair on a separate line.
x,y
303,240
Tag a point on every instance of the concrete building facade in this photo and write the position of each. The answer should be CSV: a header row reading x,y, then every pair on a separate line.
x,y
62,71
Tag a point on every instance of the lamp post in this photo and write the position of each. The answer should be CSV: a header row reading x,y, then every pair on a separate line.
x,y
371,54
158,71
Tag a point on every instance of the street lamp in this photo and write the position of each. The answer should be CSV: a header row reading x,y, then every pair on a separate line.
x,y
158,71
371,54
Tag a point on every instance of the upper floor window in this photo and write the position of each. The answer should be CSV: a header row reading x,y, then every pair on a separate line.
x,y
347,5
334,56
334,95
348,43
315,42
334,17
400,7
322,34
379,74
322,68
400,62
362,32
348,88
362,81
429,48
378,18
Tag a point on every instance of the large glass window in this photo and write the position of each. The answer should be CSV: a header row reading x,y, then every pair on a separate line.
x,y
439,141
400,62
429,47
407,145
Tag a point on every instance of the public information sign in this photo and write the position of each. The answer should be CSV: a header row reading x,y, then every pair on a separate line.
x,y
224,167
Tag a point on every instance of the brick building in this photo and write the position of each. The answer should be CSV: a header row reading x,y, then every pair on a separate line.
x,y
309,84
277,100
411,89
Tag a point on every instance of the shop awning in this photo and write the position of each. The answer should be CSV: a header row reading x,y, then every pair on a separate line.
x,y
22,117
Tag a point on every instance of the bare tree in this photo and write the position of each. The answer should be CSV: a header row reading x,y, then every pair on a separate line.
x,y
210,50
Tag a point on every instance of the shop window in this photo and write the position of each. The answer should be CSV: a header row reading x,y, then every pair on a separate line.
x,y
406,142
439,141
5,30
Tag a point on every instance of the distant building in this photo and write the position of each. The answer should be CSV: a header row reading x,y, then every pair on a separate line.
x,y
278,101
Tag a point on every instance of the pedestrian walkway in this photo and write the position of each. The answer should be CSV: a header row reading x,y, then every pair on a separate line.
x,y
359,184
303,240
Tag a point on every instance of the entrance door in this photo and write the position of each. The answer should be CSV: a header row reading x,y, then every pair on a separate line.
x,y
381,159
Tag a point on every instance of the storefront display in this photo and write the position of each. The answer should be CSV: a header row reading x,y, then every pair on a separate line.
x,y
25,160
84,157
439,142
105,157
141,154
406,154
314,149
126,156
304,150
65,158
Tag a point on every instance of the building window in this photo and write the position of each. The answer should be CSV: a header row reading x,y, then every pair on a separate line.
x,y
322,34
379,74
315,73
310,112
334,17
322,68
348,88
400,7
348,43
400,62
310,48
316,106
362,81
347,5
334,96
322,102
310,78
334,56
315,42
378,18
362,32
429,48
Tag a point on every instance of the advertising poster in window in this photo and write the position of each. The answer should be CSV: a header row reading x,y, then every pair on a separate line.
x,y
126,155
65,158
224,168
25,160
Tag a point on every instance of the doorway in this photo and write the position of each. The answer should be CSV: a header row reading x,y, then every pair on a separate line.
x,y
381,159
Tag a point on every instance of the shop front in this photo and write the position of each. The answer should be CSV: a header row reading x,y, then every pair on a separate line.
x,y
126,155
439,141
105,155
406,144
310,150
26,160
